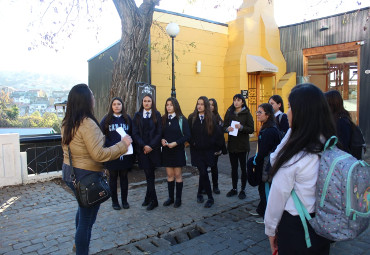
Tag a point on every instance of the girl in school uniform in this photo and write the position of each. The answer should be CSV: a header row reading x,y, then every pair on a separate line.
x,y
147,133
115,118
281,118
295,164
175,132
206,139
220,122
268,138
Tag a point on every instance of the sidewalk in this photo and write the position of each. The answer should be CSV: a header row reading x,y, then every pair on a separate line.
x,y
39,219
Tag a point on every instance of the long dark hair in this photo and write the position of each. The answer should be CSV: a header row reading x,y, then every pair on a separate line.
x,y
79,107
154,108
207,114
335,102
215,110
176,107
239,96
269,111
278,100
109,116
309,122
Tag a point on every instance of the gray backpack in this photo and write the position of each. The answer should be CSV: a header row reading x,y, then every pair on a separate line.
x,y
342,196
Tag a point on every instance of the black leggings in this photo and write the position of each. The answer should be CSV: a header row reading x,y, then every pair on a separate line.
x,y
291,239
113,178
242,158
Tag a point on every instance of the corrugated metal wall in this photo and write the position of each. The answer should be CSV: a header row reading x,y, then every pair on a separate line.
x,y
100,78
342,28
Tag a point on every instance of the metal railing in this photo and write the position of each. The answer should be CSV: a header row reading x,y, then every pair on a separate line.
x,y
44,153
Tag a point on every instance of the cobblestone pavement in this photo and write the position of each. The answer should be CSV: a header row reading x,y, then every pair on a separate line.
x,y
39,219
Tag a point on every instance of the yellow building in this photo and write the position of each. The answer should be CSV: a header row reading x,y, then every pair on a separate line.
x,y
241,55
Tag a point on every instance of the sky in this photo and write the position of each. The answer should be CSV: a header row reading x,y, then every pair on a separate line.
x,y
73,53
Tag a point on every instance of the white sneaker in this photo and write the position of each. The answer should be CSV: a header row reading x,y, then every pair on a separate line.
x,y
253,212
260,221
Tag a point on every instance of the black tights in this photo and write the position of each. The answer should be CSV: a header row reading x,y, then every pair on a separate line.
x,y
113,178
242,158
204,182
151,194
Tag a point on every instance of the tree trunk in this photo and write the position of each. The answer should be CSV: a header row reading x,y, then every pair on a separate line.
x,y
130,64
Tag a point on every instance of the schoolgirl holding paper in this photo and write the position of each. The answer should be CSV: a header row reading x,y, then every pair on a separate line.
x,y
115,118
175,133
238,146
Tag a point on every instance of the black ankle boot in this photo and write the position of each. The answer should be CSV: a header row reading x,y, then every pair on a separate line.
x,y
179,186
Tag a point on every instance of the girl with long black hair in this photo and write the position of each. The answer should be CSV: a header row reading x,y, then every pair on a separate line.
x,y
204,142
343,121
82,134
220,122
268,138
175,133
147,133
295,164
115,118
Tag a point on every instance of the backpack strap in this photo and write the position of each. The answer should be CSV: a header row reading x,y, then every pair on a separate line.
x,y
303,215
180,124
327,144
267,190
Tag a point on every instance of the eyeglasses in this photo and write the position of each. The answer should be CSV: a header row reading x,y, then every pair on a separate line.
x,y
259,112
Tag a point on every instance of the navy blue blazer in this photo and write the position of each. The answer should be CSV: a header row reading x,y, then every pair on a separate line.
x,y
155,131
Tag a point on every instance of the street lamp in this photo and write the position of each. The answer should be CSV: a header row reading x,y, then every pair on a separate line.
x,y
172,30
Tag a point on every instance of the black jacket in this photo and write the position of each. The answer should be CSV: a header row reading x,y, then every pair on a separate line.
x,y
202,145
155,131
239,143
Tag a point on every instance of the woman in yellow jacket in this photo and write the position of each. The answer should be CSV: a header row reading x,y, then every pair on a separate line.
x,y
81,132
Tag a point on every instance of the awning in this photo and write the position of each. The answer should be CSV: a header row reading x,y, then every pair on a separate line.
x,y
259,64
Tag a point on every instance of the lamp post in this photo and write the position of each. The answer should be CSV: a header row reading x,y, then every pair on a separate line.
x,y
172,30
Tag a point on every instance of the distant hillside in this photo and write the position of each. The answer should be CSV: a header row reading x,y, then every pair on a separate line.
x,y
46,82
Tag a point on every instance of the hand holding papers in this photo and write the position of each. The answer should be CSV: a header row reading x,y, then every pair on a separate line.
x,y
122,132
235,131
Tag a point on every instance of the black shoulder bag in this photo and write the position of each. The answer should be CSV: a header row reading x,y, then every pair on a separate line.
x,y
92,189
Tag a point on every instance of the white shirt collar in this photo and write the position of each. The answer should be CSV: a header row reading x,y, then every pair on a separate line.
x,y
172,114
117,115
277,113
145,111
201,115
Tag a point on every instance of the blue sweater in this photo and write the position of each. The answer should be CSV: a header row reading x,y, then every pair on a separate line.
x,y
112,137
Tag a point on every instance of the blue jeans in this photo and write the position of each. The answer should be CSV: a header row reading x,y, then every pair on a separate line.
x,y
85,219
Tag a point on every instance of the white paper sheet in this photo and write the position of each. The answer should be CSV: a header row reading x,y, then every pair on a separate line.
x,y
235,131
122,132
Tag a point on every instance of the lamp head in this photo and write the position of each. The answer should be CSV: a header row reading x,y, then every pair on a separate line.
x,y
172,29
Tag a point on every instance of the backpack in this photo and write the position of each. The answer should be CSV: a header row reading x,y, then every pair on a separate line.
x,y
357,145
342,196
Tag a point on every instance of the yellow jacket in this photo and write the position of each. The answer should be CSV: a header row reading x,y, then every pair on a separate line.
x,y
87,147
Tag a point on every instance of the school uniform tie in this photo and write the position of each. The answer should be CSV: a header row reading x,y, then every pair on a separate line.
x,y
170,116
147,115
201,118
